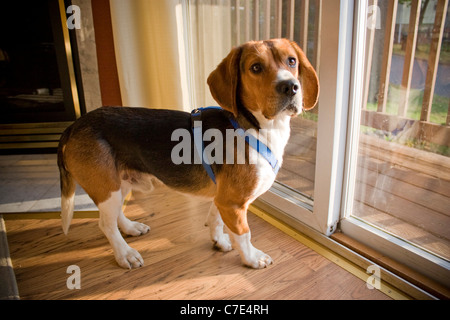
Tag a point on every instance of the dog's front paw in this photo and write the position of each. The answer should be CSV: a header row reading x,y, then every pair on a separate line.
x,y
129,258
223,242
257,260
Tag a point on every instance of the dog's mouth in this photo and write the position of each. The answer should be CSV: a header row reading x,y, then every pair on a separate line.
x,y
288,106
292,105
292,109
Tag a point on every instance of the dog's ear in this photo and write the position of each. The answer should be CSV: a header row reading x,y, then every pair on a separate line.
x,y
223,81
308,79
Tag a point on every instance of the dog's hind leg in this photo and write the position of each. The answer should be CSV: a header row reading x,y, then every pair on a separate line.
x,y
131,228
110,211
214,221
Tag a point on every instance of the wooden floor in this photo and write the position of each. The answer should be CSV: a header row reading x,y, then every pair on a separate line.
x,y
399,189
180,262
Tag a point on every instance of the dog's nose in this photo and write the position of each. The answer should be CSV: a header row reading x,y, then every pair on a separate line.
x,y
288,87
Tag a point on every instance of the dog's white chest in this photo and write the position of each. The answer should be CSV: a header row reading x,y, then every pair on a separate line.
x,y
275,134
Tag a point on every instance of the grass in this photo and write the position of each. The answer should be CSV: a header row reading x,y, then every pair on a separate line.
x,y
309,116
410,142
439,107
438,115
423,51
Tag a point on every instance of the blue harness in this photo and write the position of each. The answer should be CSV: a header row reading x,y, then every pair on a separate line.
x,y
252,141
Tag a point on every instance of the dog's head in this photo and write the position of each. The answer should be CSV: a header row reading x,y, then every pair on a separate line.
x,y
270,77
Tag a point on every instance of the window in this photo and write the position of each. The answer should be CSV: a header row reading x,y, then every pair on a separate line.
x,y
397,183
402,185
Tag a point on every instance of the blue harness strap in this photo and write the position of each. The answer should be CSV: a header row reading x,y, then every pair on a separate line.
x,y
252,141
259,146
198,139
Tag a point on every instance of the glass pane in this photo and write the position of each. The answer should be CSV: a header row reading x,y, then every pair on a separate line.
x,y
299,162
403,174
248,20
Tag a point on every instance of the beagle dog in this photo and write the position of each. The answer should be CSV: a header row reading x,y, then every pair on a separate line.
x,y
110,151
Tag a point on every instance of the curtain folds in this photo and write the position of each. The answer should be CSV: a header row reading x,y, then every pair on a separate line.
x,y
166,49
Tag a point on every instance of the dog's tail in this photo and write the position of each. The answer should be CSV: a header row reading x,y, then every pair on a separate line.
x,y
67,184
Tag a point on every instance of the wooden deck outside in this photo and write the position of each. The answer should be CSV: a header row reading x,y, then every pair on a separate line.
x,y
403,190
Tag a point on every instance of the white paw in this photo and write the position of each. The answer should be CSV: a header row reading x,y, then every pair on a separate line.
x,y
134,228
129,258
257,259
223,242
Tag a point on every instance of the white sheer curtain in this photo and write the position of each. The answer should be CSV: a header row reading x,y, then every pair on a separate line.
x,y
166,49
209,41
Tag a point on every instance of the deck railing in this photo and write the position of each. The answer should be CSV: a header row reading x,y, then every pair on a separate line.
x,y
422,128
292,19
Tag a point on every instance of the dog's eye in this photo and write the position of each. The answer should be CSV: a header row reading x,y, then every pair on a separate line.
x,y
292,62
256,68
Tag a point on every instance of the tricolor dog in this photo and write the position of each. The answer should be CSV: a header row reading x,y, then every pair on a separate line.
x,y
110,151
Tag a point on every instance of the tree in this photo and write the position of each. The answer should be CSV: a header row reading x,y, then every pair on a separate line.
x,y
423,8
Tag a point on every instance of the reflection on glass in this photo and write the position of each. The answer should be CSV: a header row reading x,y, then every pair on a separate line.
x,y
403,175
